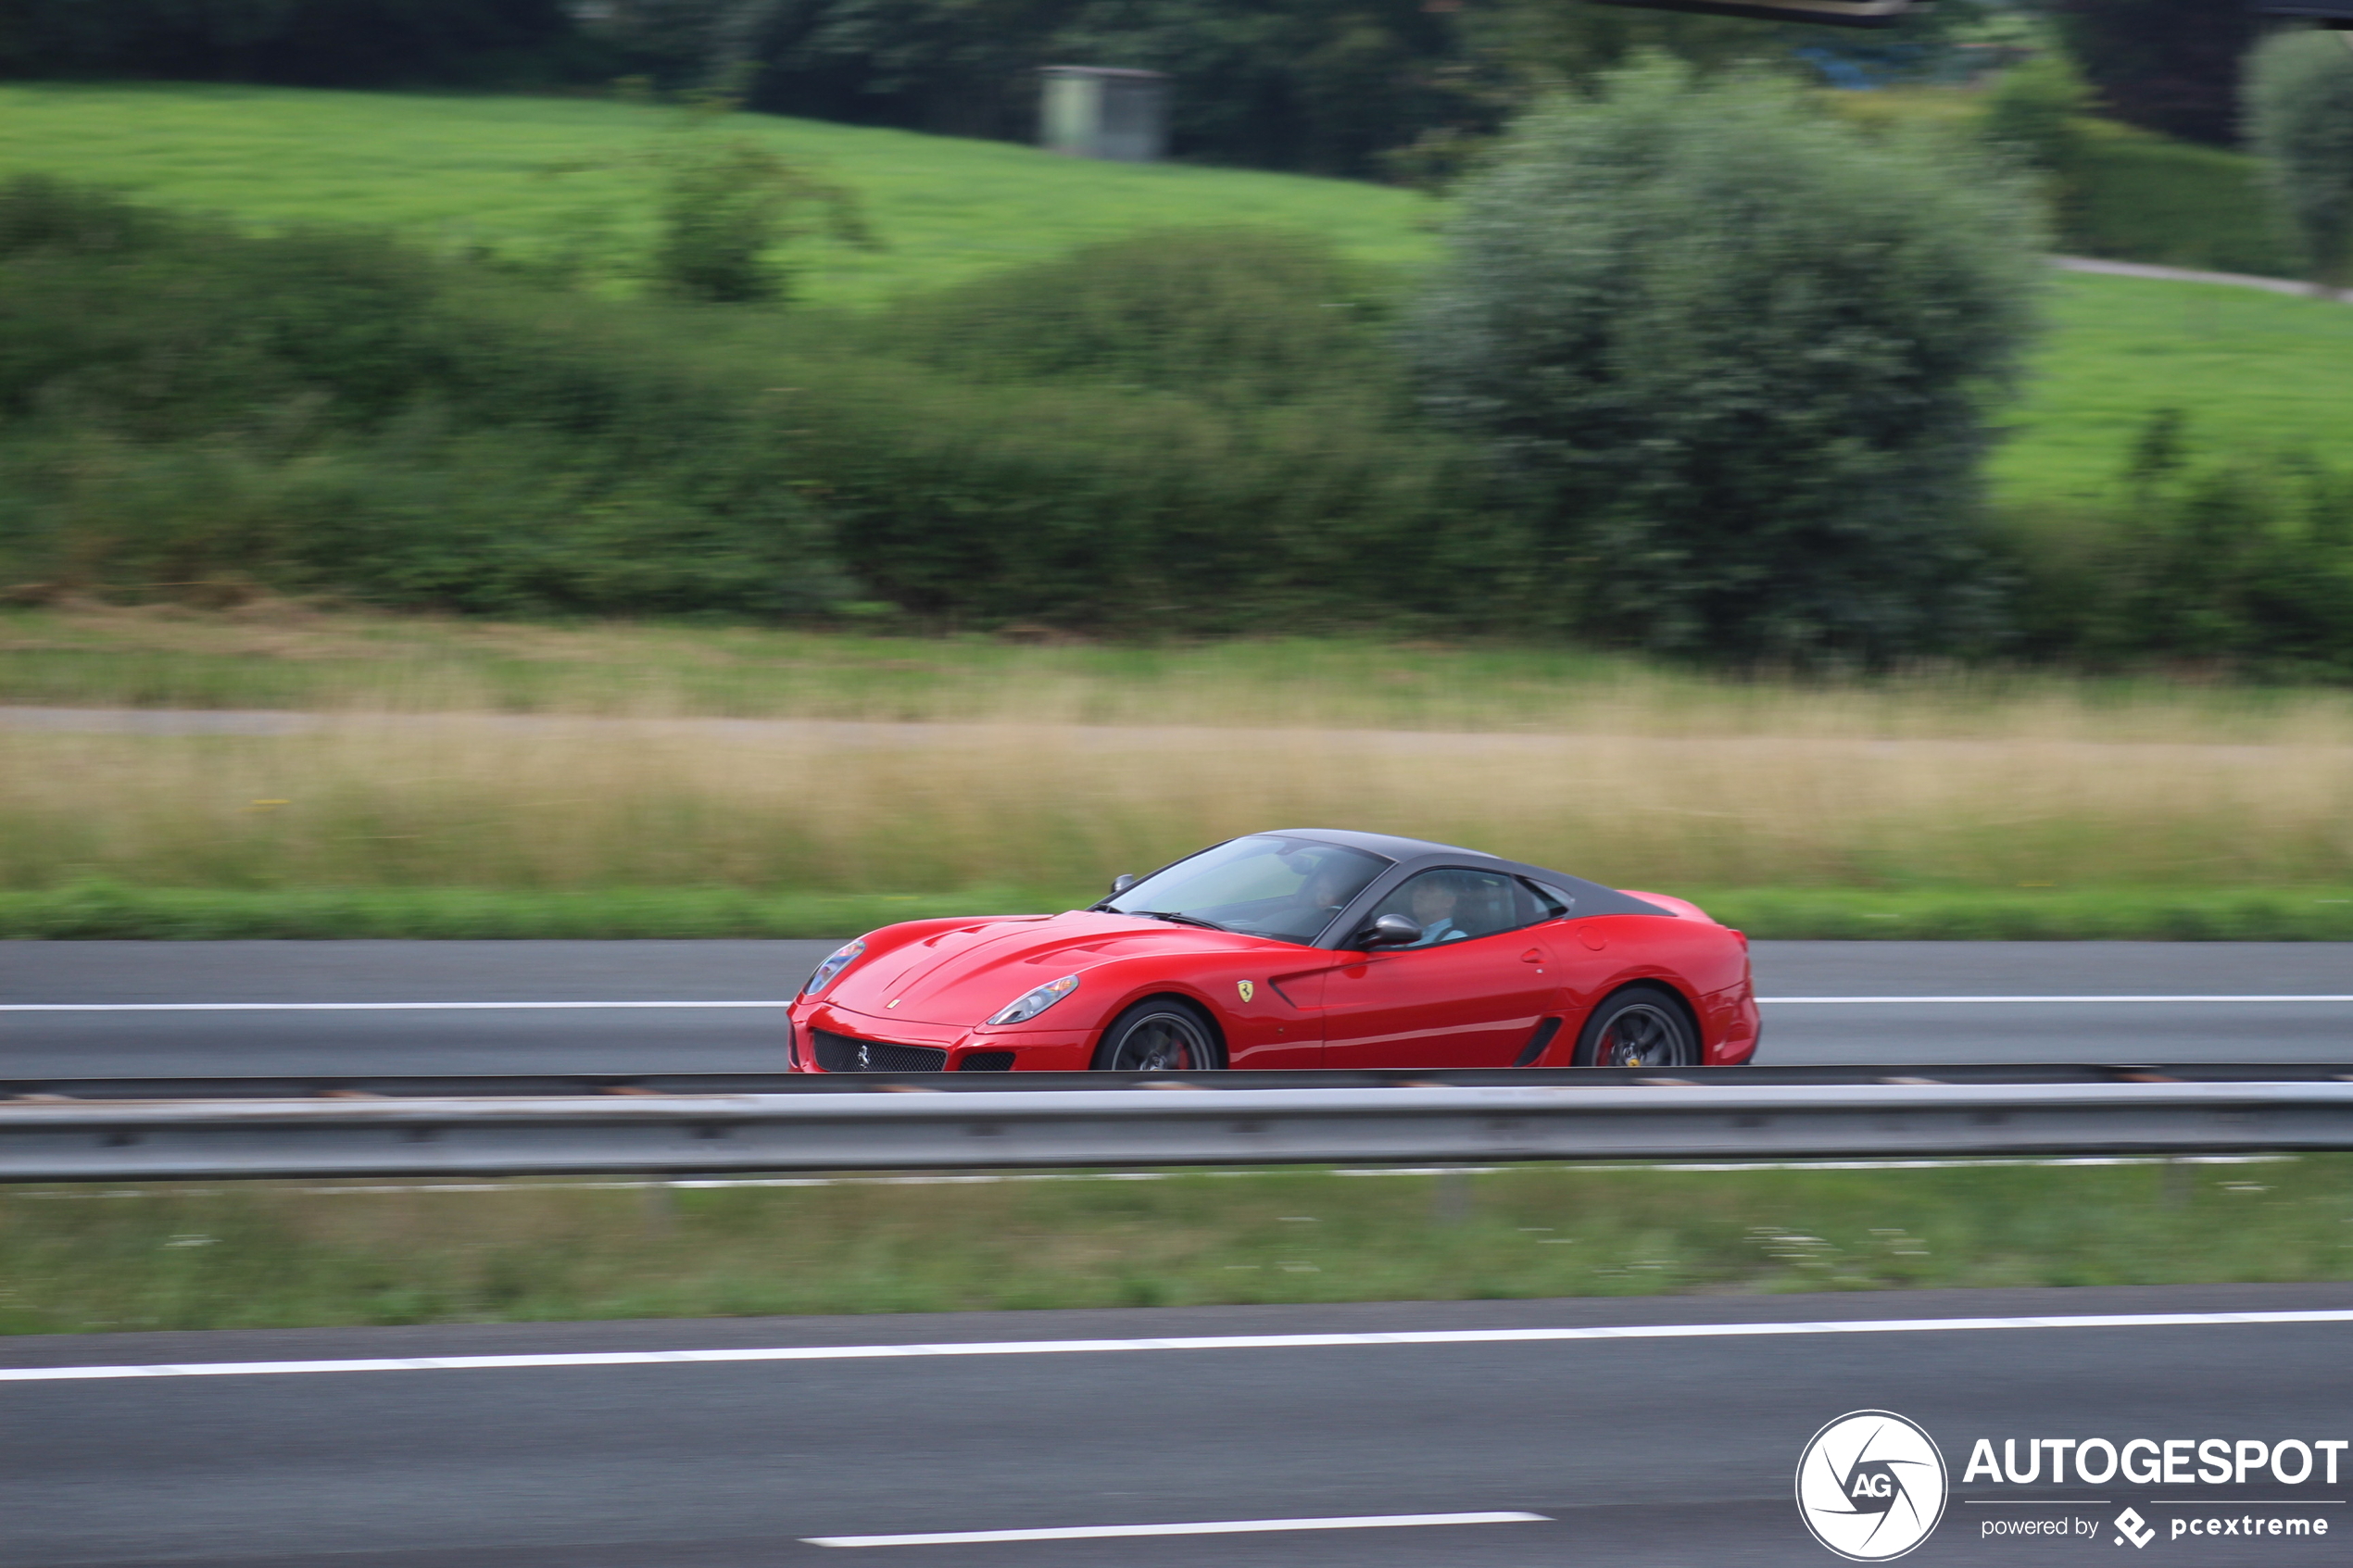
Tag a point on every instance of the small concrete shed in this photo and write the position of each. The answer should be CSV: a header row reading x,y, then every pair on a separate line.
x,y
1097,111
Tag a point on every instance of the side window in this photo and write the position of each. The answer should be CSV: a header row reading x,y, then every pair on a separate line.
x,y
1454,906
1548,903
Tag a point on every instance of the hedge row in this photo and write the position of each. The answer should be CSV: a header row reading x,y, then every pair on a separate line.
x,y
1219,437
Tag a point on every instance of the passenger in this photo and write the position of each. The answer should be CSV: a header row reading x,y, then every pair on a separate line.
x,y
1433,907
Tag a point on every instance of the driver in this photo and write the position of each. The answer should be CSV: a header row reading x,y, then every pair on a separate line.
x,y
1329,886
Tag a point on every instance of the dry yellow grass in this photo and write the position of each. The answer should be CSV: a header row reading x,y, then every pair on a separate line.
x,y
558,803
461,754
276,654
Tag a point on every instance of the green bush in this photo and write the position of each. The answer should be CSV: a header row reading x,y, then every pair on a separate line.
x,y
2036,109
2300,93
2144,199
1184,431
726,205
1234,315
1189,429
182,403
2241,563
1735,357
2121,192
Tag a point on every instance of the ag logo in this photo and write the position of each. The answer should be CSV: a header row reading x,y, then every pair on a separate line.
x,y
1870,1486
1246,989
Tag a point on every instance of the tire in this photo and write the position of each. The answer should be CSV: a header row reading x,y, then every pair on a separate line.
x,y
1160,1035
1641,1026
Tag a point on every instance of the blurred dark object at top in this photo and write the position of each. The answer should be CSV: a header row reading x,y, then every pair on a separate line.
x,y
2170,65
1836,13
2328,13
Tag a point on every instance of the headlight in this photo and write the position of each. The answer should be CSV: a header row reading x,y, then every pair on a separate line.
x,y
841,959
1030,1004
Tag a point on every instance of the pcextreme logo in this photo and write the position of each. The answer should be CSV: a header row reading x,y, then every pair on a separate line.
x,y
1870,1486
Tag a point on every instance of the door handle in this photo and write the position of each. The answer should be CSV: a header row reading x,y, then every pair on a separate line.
x,y
1533,955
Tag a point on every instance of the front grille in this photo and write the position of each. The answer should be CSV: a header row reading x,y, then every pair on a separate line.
x,y
987,1061
840,1053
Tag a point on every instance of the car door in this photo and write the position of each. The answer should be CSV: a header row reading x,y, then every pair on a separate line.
x,y
1478,996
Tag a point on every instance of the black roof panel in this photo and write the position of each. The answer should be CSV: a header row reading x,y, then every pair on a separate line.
x,y
1387,845
1592,897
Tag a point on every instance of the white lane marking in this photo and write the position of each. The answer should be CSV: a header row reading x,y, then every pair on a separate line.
x,y
1214,1528
696,1183
590,1007
1188,1342
1966,1001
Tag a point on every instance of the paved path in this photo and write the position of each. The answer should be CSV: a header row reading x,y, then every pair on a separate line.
x,y
2187,275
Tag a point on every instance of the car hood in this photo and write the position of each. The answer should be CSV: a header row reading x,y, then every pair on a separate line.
x,y
966,973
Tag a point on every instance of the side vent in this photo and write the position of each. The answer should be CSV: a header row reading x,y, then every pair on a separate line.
x,y
1537,1041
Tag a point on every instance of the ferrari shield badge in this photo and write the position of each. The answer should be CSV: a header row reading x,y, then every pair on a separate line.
x,y
1246,989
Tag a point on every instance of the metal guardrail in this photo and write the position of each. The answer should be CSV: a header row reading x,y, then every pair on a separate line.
x,y
1188,1123
553,1085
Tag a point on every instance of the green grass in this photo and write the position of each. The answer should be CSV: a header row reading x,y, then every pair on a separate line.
x,y
466,171
73,1259
2253,371
97,910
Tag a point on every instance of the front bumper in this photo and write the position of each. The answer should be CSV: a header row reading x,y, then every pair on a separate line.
x,y
827,1038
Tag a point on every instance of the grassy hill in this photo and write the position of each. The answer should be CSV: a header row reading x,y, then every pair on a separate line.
x,y
528,175
2252,371
532,176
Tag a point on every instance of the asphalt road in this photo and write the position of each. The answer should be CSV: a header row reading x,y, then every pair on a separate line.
x,y
180,980
1633,1451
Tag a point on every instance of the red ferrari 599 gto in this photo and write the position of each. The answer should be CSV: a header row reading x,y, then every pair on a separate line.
x,y
1304,947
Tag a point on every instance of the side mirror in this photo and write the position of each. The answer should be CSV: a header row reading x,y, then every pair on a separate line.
x,y
1389,930
1122,883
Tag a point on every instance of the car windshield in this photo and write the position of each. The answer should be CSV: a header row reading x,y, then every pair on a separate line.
x,y
1287,889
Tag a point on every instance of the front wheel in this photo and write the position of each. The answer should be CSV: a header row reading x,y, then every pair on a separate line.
x,y
1159,1036
1641,1026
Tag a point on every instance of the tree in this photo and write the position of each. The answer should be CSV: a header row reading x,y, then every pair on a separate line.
x,y
2165,65
2299,94
1735,359
2034,111
303,42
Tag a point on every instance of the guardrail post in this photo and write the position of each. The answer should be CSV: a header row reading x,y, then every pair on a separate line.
x,y
1451,1197
2178,1183
658,1207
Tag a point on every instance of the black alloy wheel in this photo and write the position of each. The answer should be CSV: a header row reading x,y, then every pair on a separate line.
x,y
1159,1036
1641,1026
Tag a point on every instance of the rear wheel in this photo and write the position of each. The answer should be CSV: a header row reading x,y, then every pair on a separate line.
x,y
1161,1034
1641,1026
